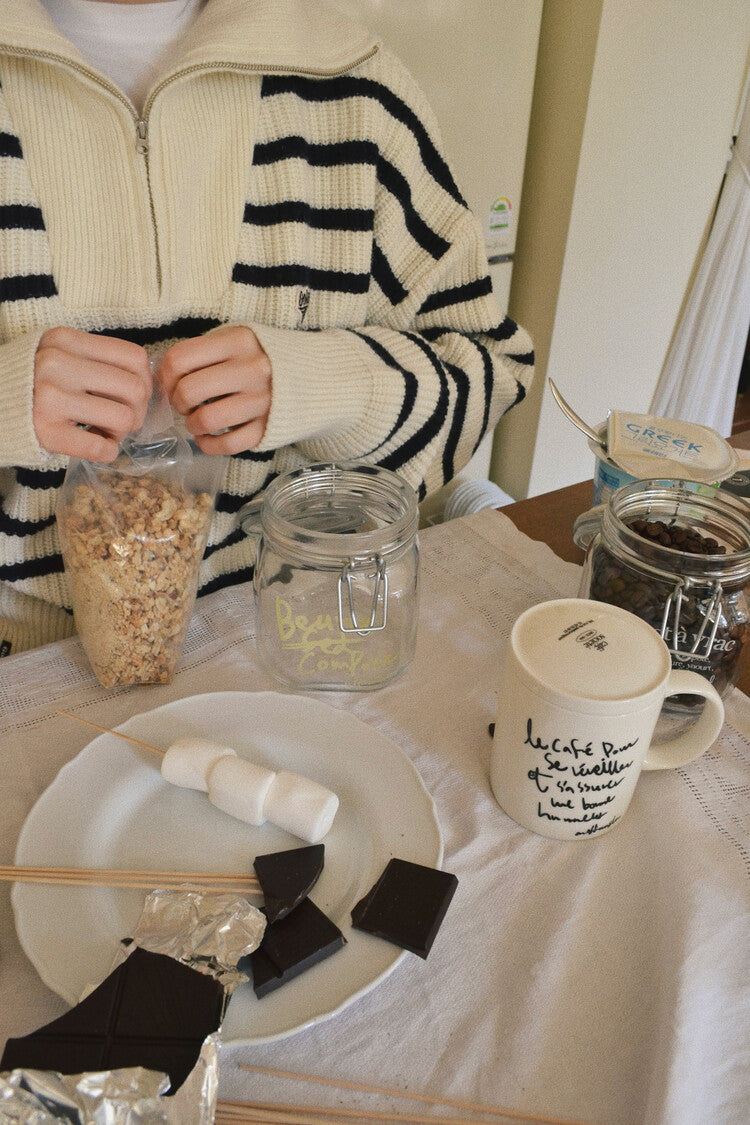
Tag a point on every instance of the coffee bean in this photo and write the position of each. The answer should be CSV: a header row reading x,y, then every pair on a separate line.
x,y
676,537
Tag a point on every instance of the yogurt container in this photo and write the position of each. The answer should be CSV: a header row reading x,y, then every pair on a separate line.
x,y
645,447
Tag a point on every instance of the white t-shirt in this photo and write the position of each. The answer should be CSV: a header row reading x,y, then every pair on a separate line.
x,y
130,43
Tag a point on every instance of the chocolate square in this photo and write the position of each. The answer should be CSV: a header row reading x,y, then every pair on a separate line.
x,y
286,878
151,1011
406,905
292,945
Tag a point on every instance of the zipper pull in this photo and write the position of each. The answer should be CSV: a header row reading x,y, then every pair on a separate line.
x,y
141,144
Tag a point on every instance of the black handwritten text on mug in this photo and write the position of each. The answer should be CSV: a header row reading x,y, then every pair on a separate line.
x,y
572,800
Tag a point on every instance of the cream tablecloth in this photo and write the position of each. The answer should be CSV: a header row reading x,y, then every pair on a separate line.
x,y
604,980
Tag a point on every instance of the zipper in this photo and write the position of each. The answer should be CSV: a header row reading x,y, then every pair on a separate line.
x,y
141,132
251,68
141,147
257,68
140,123
141,120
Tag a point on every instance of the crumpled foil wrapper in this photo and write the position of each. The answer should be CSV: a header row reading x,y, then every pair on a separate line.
x,y
115,1097
208,932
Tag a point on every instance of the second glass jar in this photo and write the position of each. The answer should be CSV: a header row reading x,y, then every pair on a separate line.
x,y
680,560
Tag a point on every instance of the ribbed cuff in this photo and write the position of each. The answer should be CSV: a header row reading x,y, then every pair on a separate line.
x,y
18,441
322,385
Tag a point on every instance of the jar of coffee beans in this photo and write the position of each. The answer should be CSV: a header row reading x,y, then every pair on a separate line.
x,y
679,559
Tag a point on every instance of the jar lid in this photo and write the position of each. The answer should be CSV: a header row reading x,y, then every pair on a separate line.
x,y
584,650
645,445
329,513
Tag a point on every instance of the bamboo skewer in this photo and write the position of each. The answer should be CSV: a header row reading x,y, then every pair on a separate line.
x,y
131,879
139,880
431,1099
107,730
231,1112
269,1113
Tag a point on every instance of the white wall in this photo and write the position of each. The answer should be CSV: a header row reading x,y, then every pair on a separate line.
x,y
606,249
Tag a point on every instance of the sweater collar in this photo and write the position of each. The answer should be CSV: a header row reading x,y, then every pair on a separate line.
x,y
274,36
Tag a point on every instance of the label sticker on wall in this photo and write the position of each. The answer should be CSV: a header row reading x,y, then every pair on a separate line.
x,y
498,230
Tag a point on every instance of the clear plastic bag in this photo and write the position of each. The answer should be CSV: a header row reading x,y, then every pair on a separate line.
x,y
133,534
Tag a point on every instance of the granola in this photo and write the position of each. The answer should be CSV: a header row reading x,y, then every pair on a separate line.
x,y
132,552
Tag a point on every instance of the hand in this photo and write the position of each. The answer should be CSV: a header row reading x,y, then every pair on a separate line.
x,y
97,382
221,383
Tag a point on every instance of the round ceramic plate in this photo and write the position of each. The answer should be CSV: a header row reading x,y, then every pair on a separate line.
x,y
110,807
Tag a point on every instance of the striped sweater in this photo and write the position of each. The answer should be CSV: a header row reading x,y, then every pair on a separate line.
x,y
285,174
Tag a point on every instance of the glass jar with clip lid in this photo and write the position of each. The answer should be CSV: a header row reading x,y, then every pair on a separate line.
x,y
336,576
679,559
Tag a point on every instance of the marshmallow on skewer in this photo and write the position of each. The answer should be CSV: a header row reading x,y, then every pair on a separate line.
x,y
188,762
240,788
300,806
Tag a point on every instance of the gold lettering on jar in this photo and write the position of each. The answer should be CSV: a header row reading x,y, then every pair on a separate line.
x,y
322,647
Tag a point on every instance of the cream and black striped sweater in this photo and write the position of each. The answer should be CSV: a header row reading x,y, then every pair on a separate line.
x,y
285,174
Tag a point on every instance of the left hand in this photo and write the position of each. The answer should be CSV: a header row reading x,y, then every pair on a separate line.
x,y
221,384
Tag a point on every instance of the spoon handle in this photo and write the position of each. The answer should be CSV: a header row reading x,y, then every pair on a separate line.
x,y
573,417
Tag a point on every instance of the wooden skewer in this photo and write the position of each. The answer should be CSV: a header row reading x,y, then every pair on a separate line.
x,y
107,730
454,1103
133,879
313,1115
269,1113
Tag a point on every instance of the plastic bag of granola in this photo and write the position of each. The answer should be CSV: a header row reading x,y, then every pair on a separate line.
x,y
133,534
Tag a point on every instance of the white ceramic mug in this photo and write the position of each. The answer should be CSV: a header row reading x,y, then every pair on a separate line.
x,y
582,690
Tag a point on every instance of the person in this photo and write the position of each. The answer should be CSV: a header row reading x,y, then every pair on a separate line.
x,y
254,191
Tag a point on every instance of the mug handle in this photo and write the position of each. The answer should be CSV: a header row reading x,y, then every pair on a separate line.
x,y
690,743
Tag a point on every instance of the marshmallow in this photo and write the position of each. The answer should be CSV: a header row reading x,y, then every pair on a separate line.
x,y
240,788
188,762
300,806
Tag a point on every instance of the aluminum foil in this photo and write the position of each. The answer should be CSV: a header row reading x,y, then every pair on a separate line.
x,y
116,1097
208,932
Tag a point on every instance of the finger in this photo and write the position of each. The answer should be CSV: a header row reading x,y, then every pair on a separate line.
x,y
75,374
54,406
104,349
230,378
87,444
115,419
227,413
197,387
233,441
199,352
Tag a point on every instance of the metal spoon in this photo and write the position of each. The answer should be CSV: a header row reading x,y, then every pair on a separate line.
x,y
570,413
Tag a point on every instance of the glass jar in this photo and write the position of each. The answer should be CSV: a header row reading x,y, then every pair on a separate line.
x,y
336,577
679,559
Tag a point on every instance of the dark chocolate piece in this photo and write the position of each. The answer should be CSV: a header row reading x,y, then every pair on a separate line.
x,y
287,877
406,905
151,1011
292,945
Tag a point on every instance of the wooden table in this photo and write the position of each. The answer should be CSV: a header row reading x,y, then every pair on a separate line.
x,y
550,518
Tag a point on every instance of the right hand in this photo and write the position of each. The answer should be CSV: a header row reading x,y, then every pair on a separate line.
x,y
97,382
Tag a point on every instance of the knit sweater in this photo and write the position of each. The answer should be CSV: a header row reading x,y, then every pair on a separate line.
x,y
286,174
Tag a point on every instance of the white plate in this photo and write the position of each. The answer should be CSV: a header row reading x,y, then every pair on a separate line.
x,y
110,807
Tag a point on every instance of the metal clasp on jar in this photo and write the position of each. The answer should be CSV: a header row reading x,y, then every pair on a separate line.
x,y
379,597
713,611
